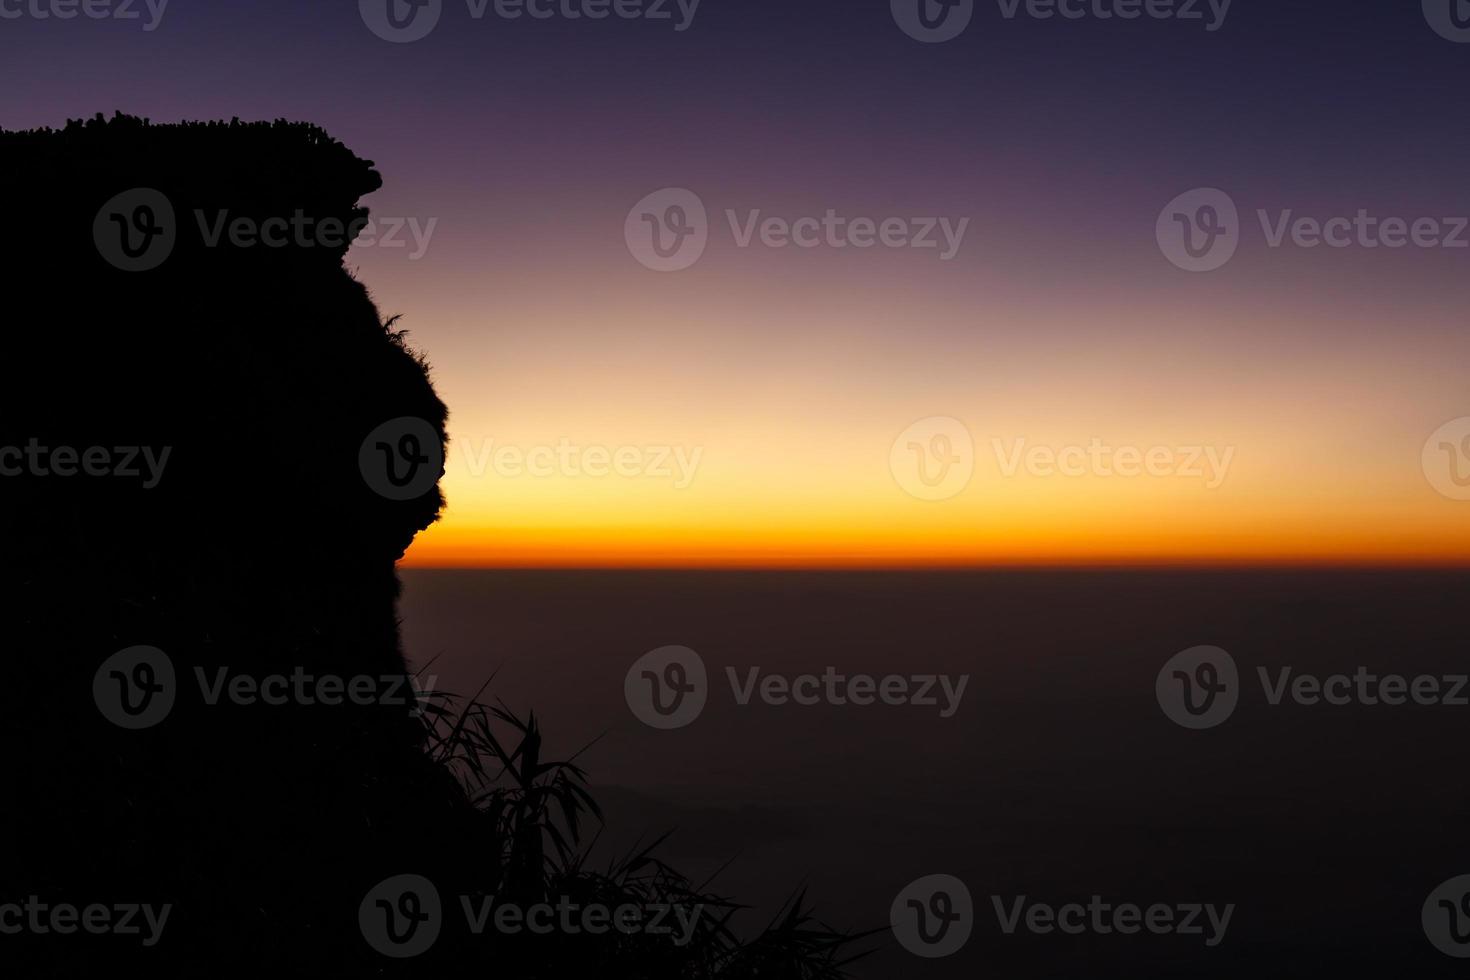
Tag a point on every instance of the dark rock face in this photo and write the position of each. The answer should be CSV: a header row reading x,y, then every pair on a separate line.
x,y
259,549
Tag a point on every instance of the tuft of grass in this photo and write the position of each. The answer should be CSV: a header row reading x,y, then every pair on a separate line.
x,y
535,814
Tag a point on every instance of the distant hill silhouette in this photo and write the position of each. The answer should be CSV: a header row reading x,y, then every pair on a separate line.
x,y
264,545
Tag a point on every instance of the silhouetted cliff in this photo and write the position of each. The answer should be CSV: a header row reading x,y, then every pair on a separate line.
x,y
213,450
231,387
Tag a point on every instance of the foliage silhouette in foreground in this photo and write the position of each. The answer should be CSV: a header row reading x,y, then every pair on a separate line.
x,y
535,813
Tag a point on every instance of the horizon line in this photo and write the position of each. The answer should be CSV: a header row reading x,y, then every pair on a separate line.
x,y
1122,565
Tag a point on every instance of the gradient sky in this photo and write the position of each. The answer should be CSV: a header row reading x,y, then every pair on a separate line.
x,y
792,371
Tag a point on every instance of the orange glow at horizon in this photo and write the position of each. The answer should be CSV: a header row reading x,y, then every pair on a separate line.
x,y
791,391
828,499
656,547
